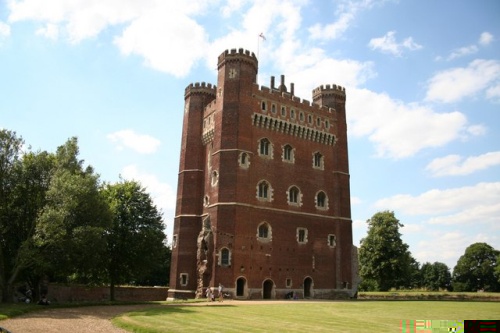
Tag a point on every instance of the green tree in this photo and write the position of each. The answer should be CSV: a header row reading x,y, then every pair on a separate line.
x,y
70,232
384,258
436,276
136,239
475,269
25,178
10,150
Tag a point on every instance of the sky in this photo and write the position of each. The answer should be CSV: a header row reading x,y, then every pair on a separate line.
x,y
422,79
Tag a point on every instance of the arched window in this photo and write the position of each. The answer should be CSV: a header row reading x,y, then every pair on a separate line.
x,y
263,190
294,196
318,161
244,160
288,153
225,257
321,200
264,232
264,147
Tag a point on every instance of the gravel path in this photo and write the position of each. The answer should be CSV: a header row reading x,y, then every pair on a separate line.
x,y
91,318
74,320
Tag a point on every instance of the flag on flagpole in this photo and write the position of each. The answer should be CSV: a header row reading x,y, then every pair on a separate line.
x,y
262,36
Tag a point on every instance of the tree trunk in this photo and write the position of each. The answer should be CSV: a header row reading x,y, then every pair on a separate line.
x,y
112,289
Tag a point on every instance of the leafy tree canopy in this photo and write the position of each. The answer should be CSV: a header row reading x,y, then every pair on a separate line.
x,y
475,269
136,238
384,258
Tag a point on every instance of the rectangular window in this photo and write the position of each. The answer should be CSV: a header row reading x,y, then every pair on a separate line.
x,y
331,240
288,283
302,235
184,279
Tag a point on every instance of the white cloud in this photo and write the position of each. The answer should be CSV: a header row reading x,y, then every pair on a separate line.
x,y
356,201
486,38
482,197
141,143
455,165
165,39
463,51
50,31
346,14
79,19
163,194
4,29
454,84
400,130
231,7
388,44
493,92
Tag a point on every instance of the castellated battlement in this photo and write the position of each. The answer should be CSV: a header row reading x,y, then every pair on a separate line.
x,y
329,90
297,101
237,55
200,88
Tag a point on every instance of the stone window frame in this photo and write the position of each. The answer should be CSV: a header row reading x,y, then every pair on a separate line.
x,y
310,119
244,160
290,152
318,160
267,150
222,260
301,116
273,108
292,114
288,282
302,235
318,122
184,279
268,237
263,106
206,201
214,178
294,196
283,111
174,241
264,194
327,124
325,205
331,240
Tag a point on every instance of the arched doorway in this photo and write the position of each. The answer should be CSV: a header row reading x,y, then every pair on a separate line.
x,y
240,287
267,289
307,287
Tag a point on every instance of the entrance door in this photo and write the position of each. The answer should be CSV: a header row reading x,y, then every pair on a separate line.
x,y
240,287
307,287
267,291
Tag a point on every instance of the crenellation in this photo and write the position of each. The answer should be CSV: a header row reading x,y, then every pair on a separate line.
x,y
200,88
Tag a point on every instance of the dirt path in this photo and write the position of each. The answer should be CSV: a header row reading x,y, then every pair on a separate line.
x,y
89,319
73,320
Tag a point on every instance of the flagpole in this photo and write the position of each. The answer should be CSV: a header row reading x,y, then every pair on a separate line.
x,y
261,35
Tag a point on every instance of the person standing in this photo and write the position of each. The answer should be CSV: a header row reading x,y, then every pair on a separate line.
x,y
209,294
221,293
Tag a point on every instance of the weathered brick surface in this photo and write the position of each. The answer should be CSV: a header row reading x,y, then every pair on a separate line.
x,y
221,123
76,293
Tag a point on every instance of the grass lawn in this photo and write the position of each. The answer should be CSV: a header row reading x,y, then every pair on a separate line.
x,y
301,316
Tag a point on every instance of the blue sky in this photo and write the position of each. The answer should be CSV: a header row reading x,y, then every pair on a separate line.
x,y
422,81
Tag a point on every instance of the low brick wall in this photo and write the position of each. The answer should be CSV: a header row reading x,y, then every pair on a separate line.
x,y
77,293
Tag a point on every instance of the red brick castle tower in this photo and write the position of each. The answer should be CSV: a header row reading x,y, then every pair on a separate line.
x,y
263,199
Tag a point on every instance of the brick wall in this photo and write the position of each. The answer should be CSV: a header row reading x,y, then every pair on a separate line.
x,y
75,293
